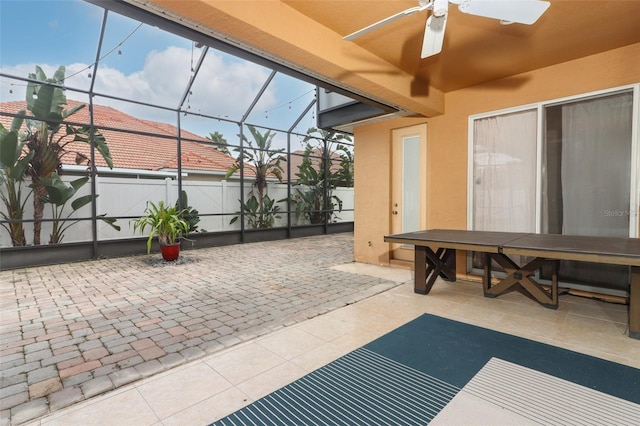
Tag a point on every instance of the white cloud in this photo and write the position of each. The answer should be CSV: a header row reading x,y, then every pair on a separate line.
x,y
222,87
14,90
228,88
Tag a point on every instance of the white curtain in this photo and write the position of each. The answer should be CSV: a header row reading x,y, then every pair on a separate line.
x,y
595,171
504,172
596,166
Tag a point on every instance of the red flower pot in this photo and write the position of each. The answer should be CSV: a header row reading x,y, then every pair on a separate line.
x,y
170,252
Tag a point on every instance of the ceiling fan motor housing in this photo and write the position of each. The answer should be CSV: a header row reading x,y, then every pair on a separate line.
x,y
440,8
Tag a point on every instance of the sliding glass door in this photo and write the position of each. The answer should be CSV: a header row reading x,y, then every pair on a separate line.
x,y
570,172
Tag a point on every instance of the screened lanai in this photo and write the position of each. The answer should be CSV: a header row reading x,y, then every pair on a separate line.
x,y
153,110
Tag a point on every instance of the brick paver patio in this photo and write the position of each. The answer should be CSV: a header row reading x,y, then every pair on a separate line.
x,y
69,332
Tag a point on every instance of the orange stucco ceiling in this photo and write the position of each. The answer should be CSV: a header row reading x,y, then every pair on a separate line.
x,y
386,64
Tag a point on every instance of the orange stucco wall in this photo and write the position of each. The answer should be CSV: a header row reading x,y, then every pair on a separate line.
x,y
447,140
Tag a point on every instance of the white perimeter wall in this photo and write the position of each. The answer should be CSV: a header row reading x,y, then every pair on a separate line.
x,y
128,197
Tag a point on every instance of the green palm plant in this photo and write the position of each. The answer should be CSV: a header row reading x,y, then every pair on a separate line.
x,y
317,178
265,161
13,166
329,143
220,141
311,193
163,221
344,175
44,138
260,217
188,213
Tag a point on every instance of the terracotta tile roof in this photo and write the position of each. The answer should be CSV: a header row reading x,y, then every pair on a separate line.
x,y
133,151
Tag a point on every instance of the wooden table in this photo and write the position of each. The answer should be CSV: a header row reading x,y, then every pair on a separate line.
x,y
435,256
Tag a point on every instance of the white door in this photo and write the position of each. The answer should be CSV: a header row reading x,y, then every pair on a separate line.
x,y
408,185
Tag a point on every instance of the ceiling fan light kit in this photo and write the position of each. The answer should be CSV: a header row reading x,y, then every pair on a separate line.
x,y
506,11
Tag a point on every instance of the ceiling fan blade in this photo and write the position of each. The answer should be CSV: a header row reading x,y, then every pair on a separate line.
x,y
433,35
385,21
520,11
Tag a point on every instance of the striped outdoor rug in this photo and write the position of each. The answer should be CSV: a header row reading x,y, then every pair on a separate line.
x,y
361,388
546,399
433,369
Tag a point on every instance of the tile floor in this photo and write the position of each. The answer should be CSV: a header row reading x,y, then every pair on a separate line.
x,y
70,332
202,391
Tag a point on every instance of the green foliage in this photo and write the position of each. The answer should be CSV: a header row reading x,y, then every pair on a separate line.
x,y
45,138
265,161
317,178
309,205
220,141
344,176
46,101
188,213
329,142
164,221
13,168
58,194
258,215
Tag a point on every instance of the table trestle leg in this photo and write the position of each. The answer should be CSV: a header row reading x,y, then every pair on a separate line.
x,y
634,303
522,275
430,265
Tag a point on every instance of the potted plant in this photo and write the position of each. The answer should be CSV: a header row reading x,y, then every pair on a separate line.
x,y
167,223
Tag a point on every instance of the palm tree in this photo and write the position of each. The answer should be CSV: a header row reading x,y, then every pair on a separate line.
x,y
46,101
220,141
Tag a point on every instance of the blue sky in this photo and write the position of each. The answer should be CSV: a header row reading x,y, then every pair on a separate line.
x,y
145,64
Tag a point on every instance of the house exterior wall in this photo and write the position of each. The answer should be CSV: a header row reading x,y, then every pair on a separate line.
x,y
447,143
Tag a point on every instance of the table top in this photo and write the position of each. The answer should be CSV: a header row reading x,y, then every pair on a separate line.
x,y
616,250
487,241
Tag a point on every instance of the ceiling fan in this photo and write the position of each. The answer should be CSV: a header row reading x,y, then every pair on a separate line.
x,y
507,11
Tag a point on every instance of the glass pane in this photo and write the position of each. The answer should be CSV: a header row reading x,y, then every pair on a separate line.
x,y
345,180
410,185
264,193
